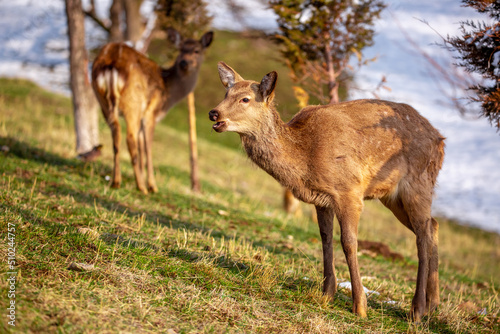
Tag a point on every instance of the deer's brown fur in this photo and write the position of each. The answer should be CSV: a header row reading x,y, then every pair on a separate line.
x,y
130,84
336,156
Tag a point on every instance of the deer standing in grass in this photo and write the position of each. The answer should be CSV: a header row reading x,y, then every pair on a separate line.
x,y
126,82
335,157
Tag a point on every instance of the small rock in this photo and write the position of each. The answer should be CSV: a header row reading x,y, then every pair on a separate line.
x,y
5,148
223,213
75,266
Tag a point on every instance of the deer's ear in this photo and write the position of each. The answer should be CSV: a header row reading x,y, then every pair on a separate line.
x,y
227,75
175,37
206,39
267,86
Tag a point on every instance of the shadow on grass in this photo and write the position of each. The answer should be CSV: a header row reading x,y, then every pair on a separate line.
x,y
25,150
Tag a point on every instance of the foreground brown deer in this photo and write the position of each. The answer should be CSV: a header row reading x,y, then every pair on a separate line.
x,y
336,156
128,83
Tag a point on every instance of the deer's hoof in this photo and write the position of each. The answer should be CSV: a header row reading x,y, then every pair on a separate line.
x,y
330,288
416,315
432,305
115,185
91,155
360,311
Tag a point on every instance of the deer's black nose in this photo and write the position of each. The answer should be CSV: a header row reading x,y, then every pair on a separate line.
x,y
183,64
213,115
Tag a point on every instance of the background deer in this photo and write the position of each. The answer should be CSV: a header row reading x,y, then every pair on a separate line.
x,y
336,156
126,82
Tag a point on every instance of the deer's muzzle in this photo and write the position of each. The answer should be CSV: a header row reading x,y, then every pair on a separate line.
x,y
213,115
220,126
184,65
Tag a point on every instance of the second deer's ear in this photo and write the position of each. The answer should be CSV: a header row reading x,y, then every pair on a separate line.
x,y
206,39
267,86
227,75
174,37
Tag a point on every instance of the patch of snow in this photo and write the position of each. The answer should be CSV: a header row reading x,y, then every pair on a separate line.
x,y
257,16
348,285
496,59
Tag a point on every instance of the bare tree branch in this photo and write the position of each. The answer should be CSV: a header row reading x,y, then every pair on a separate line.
x,y
91,13
453,83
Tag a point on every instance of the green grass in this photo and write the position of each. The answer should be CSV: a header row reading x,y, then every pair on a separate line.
x,y
227,260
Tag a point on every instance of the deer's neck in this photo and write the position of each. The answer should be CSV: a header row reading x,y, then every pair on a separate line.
x,y
275,149
178,84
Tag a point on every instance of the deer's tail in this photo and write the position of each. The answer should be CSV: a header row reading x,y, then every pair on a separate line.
x,y
110,83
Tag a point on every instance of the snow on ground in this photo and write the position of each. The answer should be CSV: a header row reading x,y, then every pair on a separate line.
x,y
34,45
469,183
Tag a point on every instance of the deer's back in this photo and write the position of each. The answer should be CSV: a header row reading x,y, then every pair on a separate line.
x,y
371,143
135,69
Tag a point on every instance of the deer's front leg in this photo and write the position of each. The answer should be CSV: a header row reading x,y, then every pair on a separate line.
x,y
325,222
348,220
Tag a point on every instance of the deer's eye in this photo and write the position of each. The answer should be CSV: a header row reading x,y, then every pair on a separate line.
x,y
245,100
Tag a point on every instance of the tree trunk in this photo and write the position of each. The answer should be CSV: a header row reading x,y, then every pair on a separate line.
x,y
115,31
333,86
193,149
142,44
85,107
134,20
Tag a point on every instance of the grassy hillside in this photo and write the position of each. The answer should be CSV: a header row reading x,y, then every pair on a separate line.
x,y
92,259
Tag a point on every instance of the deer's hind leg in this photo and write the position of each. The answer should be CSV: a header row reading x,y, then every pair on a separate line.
x,y
148,127
109,102
416,217
132,118
142,149
432,296
114,125
109,107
